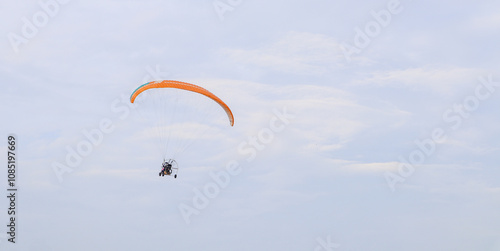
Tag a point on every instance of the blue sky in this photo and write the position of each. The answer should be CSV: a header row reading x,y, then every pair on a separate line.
x,y
392,145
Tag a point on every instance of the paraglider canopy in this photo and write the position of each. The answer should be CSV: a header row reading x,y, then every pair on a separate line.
x,y
183,86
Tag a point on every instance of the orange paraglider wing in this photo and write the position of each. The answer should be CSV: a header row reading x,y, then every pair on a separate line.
x,y
183,86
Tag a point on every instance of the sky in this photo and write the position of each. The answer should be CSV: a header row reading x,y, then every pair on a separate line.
x,y
359,125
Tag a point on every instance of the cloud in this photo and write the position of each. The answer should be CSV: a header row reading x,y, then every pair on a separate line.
x,y
484,23
440,80
296,52
325,117
371,167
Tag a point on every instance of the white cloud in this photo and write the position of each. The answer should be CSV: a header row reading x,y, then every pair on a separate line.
x,y
325,118
371,167
297,52
442,80
484,23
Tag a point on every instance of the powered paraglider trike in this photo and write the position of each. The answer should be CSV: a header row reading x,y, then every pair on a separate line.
x,y
178,114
